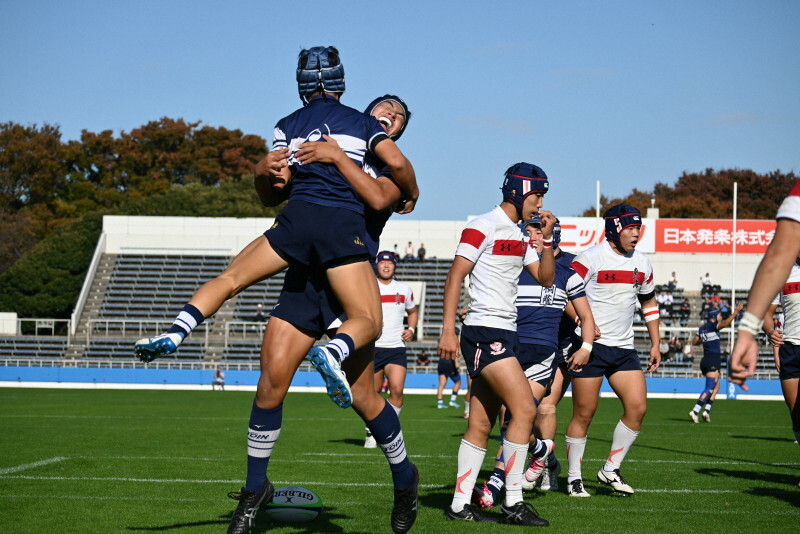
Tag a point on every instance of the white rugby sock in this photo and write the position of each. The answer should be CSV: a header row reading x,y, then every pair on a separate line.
x,y
470,459
575,448
514,456
620,445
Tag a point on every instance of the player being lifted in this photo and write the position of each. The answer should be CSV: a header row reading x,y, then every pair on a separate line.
x,y
711,364
615,275
493,251
397,300
321,202
306,308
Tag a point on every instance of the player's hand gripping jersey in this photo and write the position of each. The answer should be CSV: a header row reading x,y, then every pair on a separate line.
x,y
499,250
613,283
356,134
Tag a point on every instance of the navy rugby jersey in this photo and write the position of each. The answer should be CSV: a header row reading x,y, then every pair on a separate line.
x,y
709,335
539,309
566,328
356,133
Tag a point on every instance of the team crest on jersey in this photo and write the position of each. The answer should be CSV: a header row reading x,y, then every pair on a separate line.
x,y
548,295
636,282
397,298
497,348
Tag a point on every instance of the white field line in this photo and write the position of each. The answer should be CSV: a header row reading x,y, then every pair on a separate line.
x,y
455,420
447,457
23,467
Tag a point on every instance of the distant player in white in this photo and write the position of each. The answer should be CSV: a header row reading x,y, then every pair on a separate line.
x,y
493,251
397,300
616,275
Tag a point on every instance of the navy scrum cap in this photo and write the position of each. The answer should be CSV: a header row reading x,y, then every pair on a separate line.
x,y
618,218
521,180
393,98
319,69
386,255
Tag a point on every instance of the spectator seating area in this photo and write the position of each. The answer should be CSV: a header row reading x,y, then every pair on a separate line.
x,y
33,347
154,288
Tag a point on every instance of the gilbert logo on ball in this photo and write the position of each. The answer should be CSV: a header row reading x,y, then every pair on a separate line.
x,y
294,504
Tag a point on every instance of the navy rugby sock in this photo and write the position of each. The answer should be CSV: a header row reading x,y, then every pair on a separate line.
x,y
262,433
386,430
187,320
496,482
341,346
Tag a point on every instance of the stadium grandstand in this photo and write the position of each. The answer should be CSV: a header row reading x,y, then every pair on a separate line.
x,y
141,276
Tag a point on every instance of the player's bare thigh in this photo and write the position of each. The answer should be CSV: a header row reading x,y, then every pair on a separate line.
x,y
356,289
282,351
790,391
256,262
484,405
631,388
585,394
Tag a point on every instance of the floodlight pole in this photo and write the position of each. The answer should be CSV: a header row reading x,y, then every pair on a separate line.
x,y
733,263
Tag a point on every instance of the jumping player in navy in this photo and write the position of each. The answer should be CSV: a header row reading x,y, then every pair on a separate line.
x,y
306,309
493,251
711,364
303,234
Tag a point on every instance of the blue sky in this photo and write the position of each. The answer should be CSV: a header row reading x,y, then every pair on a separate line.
x,y
628,93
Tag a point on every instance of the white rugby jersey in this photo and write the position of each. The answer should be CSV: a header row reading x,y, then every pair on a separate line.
x,y
789,299
396,298
790,207
613,283
499,250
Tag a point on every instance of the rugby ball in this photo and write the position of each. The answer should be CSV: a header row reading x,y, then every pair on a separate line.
x,y
294,504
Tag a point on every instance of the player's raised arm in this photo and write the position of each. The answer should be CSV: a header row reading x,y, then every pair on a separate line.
x,y
544,270
379,194
401,169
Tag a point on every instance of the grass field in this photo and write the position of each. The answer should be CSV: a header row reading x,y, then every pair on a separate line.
x,y
163,461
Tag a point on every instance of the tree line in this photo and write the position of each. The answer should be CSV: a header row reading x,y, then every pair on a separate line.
x,y
709,195
53,195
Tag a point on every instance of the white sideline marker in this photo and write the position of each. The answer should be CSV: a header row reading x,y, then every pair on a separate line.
x,y
23,467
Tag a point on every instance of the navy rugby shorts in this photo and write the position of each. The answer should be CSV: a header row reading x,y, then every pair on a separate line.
x,y
789,356
448,368
483,345
306,300
314,235
538,362
605,361
712,361
384,357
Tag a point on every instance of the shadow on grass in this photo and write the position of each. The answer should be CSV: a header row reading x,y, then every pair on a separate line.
x,y
765,438
323,523
784,485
